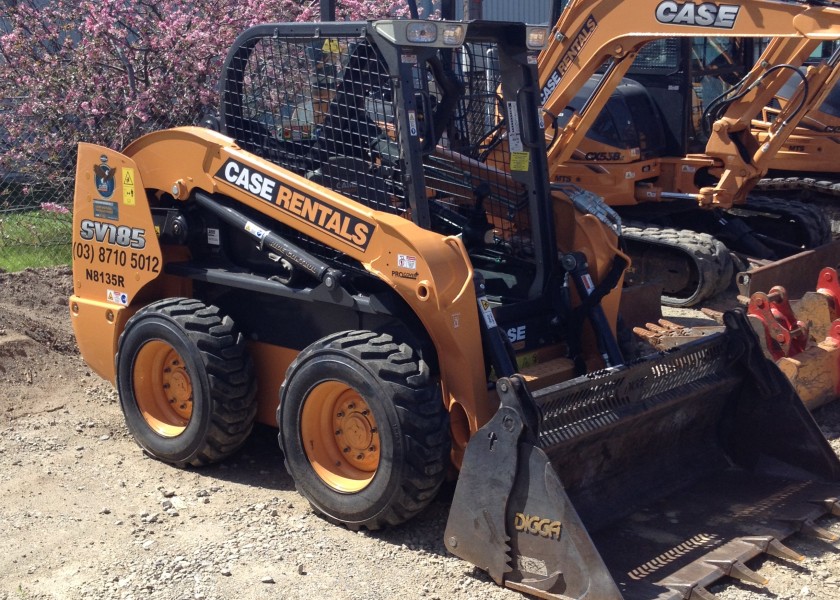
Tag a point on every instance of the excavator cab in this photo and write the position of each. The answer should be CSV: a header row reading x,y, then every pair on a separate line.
x,y
636,107
684,76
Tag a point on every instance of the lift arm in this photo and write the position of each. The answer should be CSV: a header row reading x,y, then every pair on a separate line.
x,y
732,139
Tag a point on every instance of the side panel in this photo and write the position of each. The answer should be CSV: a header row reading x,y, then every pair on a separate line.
x,y
115,252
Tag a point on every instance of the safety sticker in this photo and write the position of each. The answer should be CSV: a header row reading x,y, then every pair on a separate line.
x,y
487,312
408,59
412,123
255,230
514,131
213,236
117,297
520,161
406,261
331,45
128,186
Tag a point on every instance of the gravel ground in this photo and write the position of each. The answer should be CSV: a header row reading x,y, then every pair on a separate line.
x,y
85,514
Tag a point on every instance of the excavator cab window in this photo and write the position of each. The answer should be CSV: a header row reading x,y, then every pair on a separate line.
x,y
683,75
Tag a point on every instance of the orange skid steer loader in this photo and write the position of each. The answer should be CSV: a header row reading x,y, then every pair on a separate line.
x,y
297,268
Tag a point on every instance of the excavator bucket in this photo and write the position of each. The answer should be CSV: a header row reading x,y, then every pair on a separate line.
x,y
650,480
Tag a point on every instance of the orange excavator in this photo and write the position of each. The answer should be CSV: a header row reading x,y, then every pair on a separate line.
x,y
606,133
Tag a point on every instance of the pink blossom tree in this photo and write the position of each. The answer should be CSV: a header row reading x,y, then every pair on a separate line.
x,y
106,71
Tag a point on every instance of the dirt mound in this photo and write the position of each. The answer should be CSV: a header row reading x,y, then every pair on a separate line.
x,y
34,302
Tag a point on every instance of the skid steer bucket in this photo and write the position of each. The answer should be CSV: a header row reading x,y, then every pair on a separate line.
x,y
651,480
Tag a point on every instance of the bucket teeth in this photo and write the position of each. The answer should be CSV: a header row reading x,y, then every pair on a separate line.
x,y
809,528
691,592
832,505
700,593
814,530
738,570
774,547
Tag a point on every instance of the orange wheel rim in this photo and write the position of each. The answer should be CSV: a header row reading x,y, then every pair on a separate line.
x,y
340,436
163,388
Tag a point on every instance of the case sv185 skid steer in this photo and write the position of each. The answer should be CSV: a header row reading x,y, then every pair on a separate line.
x,y
339,261
629,143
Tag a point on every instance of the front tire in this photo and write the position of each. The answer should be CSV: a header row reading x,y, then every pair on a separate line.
x,y
363,429
185,382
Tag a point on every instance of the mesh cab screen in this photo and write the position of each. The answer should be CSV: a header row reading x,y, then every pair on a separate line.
x,y
658,56
321,108
428,137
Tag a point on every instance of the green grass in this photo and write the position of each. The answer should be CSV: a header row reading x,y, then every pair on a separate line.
x,y
34,238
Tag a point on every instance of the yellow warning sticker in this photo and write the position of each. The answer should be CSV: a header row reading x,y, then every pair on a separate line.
x,y
128,186
331,45
487,313
520,161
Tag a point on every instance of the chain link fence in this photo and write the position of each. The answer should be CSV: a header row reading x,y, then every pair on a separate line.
x,y
35,208
36,199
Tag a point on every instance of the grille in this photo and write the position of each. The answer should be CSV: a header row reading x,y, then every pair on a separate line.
x,y
469,168
572,410
321,108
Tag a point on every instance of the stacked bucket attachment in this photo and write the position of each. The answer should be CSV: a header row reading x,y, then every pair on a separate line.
x,y
649,480
802,336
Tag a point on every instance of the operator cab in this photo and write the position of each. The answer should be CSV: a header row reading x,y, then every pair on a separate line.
x,y
402,127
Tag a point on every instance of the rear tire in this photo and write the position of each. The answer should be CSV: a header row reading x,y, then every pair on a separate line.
x,y
185,382
363,429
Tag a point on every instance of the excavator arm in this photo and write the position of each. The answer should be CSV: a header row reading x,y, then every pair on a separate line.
x,y
732,139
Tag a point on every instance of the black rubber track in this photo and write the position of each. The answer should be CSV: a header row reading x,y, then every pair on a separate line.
x,y
230,376
421,416
818,192
829,187
801,223
707,257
